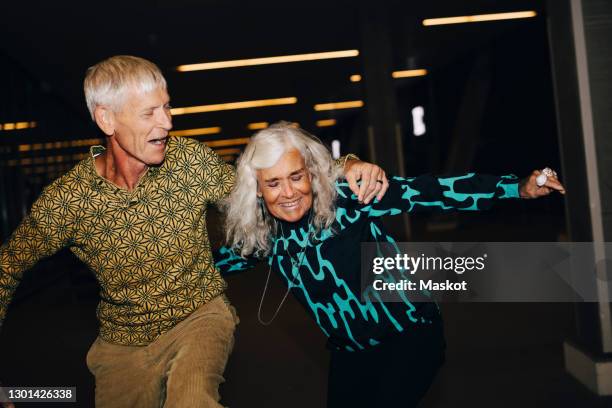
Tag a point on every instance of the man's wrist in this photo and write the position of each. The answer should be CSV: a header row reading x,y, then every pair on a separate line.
x,y
348,157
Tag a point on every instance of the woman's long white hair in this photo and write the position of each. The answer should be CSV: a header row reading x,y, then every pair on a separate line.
x,y
248,225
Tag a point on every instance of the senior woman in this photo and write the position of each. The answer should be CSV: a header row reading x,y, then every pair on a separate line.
x,y
289,206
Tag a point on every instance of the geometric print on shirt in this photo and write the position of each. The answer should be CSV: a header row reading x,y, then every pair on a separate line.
x,y
148,248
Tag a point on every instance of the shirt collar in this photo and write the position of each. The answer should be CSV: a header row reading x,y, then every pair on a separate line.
x,y
97,150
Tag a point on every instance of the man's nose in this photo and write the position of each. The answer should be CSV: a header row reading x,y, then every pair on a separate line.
x,y
165,120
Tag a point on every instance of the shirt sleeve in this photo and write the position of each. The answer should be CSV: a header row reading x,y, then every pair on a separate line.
x,y
466,192
341,161
218,176
44,231
229,262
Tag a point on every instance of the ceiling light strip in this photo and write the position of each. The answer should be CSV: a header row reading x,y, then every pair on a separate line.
x,y
226,152
478,18
268,60
196,132
59,145
234,105
257,125
338,105
326,122
227,142
17,125
396,74
409,73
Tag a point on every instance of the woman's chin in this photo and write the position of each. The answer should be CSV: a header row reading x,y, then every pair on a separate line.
x,y
291,215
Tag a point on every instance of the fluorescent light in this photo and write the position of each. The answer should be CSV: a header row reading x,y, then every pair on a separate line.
x,y
326,122
227,142
257,125
396,74
409,73
196,132
268,60
478,18
338,105
234,105
29,161
418,125
225,152
59,145
17,125
335,149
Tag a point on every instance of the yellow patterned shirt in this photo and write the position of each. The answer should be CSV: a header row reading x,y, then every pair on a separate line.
x,y
148,248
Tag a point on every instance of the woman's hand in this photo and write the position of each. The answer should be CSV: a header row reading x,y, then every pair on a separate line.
x,y
529,188
374,181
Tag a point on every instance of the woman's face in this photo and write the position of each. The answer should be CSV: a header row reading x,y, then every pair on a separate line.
x,y
285,187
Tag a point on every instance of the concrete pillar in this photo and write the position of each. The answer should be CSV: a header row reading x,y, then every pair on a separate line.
x,y
579,34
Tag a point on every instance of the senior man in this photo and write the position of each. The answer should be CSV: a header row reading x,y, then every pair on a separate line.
x,y
135,213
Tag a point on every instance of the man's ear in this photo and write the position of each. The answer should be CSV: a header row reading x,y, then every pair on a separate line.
x,y
105,119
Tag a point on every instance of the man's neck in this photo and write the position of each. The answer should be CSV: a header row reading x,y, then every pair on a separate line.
x,y
118,167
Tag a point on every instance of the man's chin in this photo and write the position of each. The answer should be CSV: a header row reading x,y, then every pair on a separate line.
x,y
156,161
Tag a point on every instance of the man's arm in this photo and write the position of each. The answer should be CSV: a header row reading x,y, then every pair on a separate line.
x,y
229,262
365,179
221,176
44,231
218,176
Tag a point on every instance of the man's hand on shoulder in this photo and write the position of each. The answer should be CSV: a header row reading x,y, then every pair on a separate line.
x,y
374,182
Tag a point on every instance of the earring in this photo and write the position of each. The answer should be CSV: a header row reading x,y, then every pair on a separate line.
x,y
262,207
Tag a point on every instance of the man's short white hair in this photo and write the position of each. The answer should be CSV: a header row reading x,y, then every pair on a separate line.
x,y
106,82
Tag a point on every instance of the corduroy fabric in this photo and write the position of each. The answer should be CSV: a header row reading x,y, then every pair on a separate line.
x,y
181,368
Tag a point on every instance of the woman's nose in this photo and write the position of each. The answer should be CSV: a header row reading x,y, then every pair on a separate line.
x,y
288,190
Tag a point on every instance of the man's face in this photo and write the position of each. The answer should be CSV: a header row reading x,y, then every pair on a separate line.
x,y
142,126
286,187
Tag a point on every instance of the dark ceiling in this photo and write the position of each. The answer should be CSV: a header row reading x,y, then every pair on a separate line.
x,y
55,42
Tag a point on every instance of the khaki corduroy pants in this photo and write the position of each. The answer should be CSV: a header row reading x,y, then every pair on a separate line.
x,y
181,368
